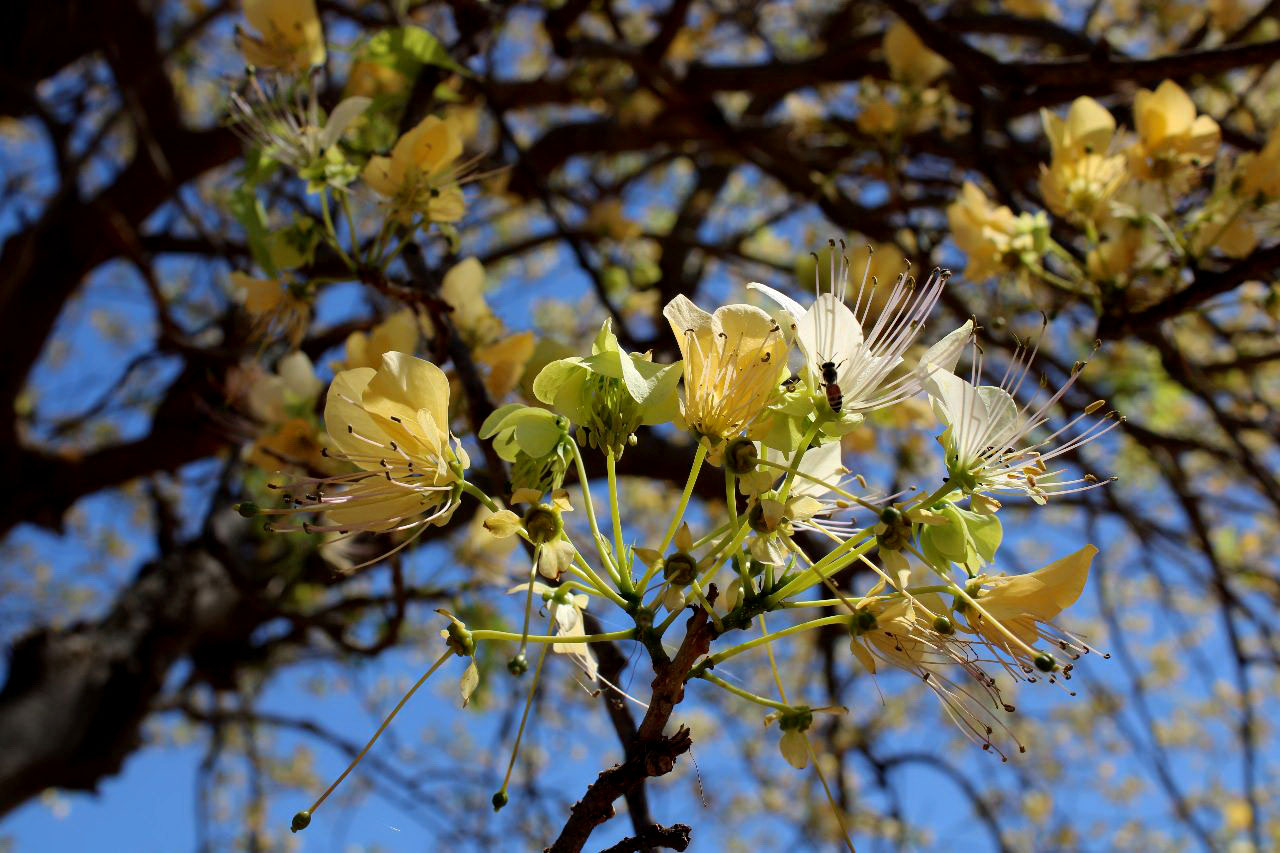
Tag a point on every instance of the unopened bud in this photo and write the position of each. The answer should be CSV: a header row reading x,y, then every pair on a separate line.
x,y
863,621
680,568
499,800
542,523
741,456
943,626
300,821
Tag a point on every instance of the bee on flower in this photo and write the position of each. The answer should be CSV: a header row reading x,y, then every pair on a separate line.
x,y
855,358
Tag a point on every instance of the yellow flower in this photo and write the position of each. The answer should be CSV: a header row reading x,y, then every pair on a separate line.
x,y
397,333
733,362
983,231
1260,172
879,116
275,307
393,425
292,443
1171,137
910,62
1116,255
900,634
1081,178
463,290
420,176
289,35
1024,604
506,360
1087,129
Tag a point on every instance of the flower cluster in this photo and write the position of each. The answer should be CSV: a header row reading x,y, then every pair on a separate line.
x,y
767,395
1137,200
935,607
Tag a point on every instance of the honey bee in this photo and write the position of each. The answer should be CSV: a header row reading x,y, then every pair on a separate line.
x,y
835,399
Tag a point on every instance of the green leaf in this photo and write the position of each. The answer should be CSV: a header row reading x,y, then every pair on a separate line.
x,y
538,436
247,209
408,48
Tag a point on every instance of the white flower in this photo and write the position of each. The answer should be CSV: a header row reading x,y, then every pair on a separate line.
x,y
988,437
864,354
566,609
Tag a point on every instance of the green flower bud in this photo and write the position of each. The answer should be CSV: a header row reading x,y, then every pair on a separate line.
x,y
518,665
300,821
1045,662
741,456
499,800
862,622
542,523
680,568
943,626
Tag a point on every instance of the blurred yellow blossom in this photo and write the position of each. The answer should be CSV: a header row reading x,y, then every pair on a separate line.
x,y
1260,172
289,36
397,333
983,231
506,360
276,308
421,175
1172,139
910,62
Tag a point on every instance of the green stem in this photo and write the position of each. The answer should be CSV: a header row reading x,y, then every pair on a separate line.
x,y
794,468
619,546
487,634
475,492
414,689
745,694
830,564
719,657
332,232
698,457
515,749
591,513
598,582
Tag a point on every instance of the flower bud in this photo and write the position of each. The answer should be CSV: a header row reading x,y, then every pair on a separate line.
x,y
1045,662
499,800
943,626
542,523
741,456
862,622
518,665
680,568
300,821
